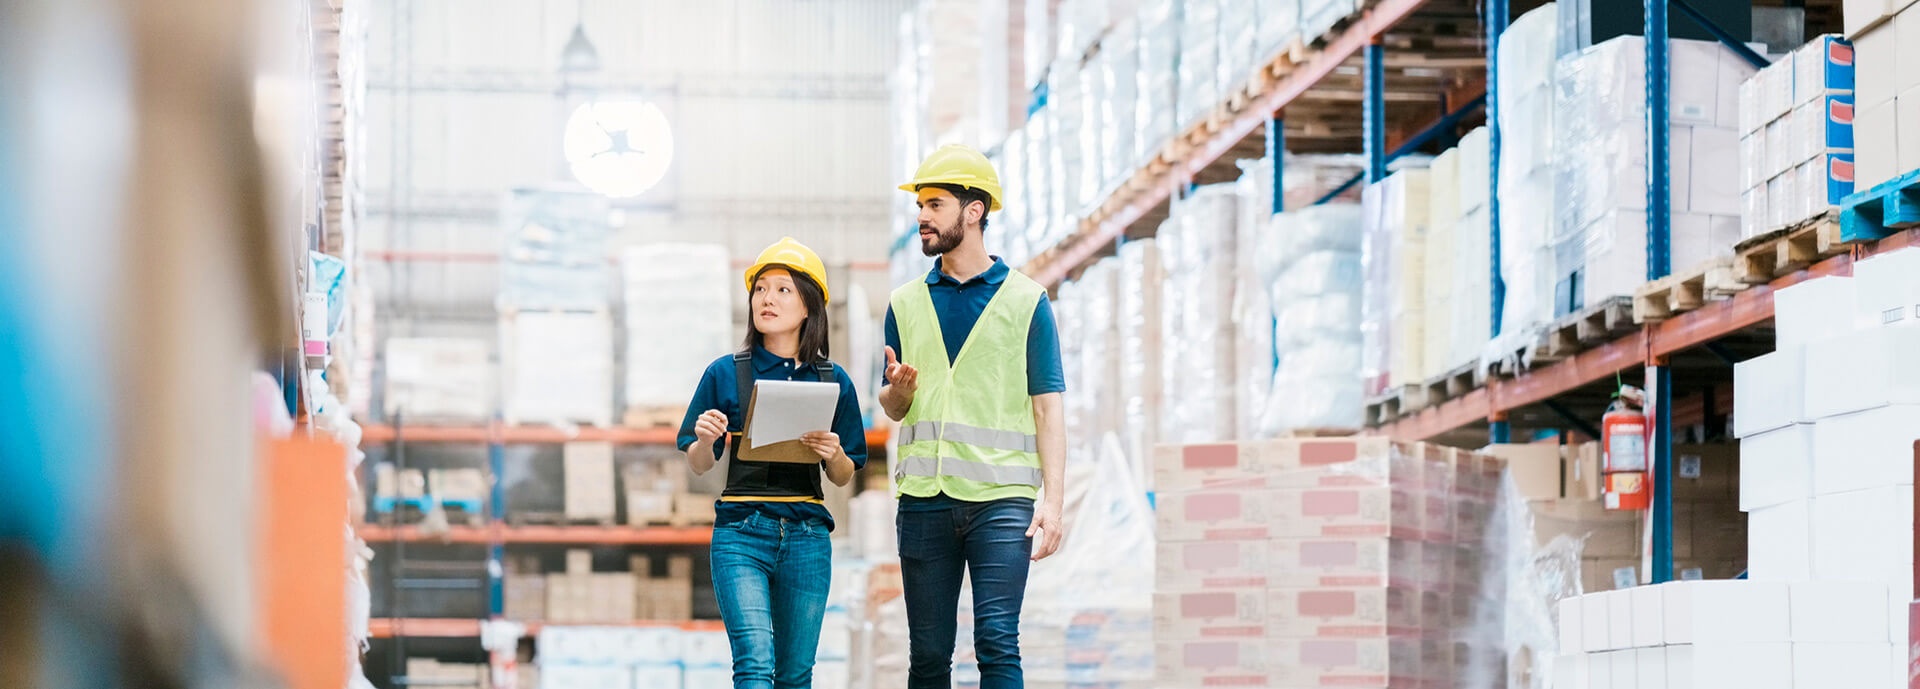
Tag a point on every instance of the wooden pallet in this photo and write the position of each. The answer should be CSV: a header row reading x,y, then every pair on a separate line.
x,y
1685,291
653,417
1385,408
1886,208
1784,251
1322,432
1455,383
1583,330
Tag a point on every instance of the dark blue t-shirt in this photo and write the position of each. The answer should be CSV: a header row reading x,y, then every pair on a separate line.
x,y
959,306
720,390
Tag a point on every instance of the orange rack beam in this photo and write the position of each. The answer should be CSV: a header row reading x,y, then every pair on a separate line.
x,y
548,535
421,627
381,433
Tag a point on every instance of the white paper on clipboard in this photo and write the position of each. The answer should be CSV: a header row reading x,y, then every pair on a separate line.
x,y
784,410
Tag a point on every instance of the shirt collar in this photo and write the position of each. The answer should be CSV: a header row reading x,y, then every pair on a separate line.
x,y
996,274
765,361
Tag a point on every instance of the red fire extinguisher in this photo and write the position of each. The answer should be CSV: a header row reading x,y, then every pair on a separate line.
x,y
1623,431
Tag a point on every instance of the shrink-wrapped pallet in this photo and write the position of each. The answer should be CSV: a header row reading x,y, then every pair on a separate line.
x,y
1196,245
679,301
1313,258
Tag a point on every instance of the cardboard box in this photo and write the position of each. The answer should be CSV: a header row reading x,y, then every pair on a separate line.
x,y
1769,391
579,561
1906,33
1862,370
1744,665
1334,462
1878,163
693,508
1753,211
1188,467
1571,623
1822,67
1804,313
1582,472
1596,619
1889,289
645,507
1620,623
1570,671
1706,473
1343,613
1649,616
1189,565
1535,469
1725,612
1603,533
1213,662
1345,662
1216,614
1219,514
1346,512
458,484
1862,18
1778,466
1907,128
1779,542
1840,664
587,470
1650,668
1863,450
526,597
1864,535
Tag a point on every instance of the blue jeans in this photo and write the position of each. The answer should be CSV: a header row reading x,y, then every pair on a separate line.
x,y
770,576
988,540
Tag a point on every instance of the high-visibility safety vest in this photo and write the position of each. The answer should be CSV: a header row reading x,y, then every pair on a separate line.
x,y
970,432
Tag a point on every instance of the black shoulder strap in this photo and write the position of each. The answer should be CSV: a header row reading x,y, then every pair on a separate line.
x,y
823,371
743,377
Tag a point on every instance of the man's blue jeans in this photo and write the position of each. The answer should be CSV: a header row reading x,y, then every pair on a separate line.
x,y
989,540
771,576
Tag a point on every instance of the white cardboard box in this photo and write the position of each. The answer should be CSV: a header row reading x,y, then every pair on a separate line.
x,y
1864,535
1649,616
1600,669
1839,612
1620,627
1889,292
1862,450
1712,190
1862,370
1805,312
1878,163
1779,542
1776,466
1571,623
1769,391
1876,76
1906,126
1725,612
1570,671
1906,52
1594,634
1730,665
1840,665
1650,667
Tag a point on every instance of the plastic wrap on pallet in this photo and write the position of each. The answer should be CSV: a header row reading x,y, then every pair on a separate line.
x,y
1120,67
1093,96
1252,310
1017,214
1279,26
1527,201
438,378
1196,245
1038,33
558,367
672,292
1472,303
1080,24
1312,255
948,45
1310,178
1096,396
1041,174
1319,16
1239,44
1157,82
1066,101
1140,286
1000,95
1199,61
1089,621
556,251
1394,223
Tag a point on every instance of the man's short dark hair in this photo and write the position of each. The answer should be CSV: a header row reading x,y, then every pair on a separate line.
x,y
967,196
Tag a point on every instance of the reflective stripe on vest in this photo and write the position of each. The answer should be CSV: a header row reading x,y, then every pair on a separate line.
x,y
1014,441
972,471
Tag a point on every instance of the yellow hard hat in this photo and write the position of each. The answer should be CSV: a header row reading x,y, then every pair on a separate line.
x,y
958,164
792,255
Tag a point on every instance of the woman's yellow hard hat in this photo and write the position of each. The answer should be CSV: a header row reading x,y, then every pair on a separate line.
x,y
961,165
792,255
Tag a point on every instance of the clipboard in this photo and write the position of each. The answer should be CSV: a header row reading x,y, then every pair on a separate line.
x,y
786,452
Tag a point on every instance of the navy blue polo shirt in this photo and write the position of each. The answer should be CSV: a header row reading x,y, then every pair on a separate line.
x,y
959,306
720,390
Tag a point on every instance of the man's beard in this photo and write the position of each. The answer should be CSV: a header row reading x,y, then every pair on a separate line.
x,y
943,241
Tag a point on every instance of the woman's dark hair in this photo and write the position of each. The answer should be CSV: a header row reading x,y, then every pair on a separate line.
x,y
813,332
968,196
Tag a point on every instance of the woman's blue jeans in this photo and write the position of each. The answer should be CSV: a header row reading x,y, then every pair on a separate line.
x,y
771,576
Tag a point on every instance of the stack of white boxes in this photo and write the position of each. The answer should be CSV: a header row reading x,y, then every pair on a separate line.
x,y
1796,136
1394,219
1472,272
1527,51
1197,248
673,292
558,367
1726,634
1600,170
610,657
1443,212
1828,424
438,379
1157,81
1886,41
1327,562
1199,62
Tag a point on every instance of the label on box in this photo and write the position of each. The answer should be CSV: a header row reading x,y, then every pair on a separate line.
x,y
1213,663
1225,613
1822,66
1343,613
1218,515
1335,562
1345,662
1343,512
1218,564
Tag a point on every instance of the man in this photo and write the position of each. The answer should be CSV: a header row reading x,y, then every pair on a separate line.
x,y
973,375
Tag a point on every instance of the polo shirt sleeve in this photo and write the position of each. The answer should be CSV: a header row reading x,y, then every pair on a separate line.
x,y
1044,372
847,421
892,337
708,395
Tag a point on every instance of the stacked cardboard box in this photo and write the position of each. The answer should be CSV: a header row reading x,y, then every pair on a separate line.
x,y
558,367
1886,41
666,598
389,482
1325,562
1600,168
1796,136
1748,634
1140,337
1527,52
458,484
672,292
526,589
1310,260
1196,246
580,595
433,673
1828,425
1394,218
438,378
610,658
587,470
650,488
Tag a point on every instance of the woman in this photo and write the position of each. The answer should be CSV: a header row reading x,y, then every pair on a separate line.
x,y
771,556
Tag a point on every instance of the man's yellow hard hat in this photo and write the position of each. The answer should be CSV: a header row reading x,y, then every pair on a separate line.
x,y
961,165
792,255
